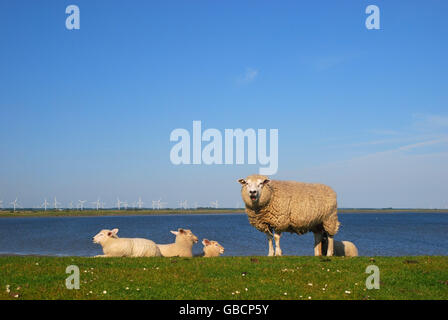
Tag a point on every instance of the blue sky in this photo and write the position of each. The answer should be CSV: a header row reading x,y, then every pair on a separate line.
x,y
88,113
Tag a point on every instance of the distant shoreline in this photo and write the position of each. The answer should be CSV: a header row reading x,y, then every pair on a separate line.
x,y
145,212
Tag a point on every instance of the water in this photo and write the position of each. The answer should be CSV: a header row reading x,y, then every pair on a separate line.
x,y
394,234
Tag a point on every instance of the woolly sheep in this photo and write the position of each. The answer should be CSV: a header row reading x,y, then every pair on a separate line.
x,y
212,248
290,206
182,247
341,248
113,246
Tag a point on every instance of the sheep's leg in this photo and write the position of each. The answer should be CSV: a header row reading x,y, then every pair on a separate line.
x,y
278,251
100,256
271,246
317,244
330,249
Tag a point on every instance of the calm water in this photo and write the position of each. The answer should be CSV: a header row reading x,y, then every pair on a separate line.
x,y
394,234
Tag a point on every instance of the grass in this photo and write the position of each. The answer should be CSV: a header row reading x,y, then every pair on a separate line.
x,y
288,277
112,212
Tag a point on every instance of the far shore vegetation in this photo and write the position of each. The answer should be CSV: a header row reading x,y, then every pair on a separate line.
x,y
138,212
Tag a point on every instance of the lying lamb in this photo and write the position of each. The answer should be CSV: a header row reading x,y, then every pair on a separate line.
x,y
212,248
341,248
182,247
290,206
113,246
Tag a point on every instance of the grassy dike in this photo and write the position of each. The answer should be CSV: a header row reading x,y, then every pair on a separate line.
x,y
288,277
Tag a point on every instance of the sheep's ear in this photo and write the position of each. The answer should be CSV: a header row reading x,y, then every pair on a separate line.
x,y
181,230
115,231
242,181
266,181
205,242
174,232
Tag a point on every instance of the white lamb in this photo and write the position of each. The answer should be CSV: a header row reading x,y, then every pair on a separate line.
x,y
182,247
113,246
212,248
341,248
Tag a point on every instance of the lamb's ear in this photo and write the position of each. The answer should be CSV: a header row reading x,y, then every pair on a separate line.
x,y
174,232
242,181
115,231
181,230
205,242
266,181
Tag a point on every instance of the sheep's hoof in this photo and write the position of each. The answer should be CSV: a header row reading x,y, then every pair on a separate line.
x,y
278,253
270,254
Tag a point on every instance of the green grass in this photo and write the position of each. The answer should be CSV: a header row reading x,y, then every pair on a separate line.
x,y
422,277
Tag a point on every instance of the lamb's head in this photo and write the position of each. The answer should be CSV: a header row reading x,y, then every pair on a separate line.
x,y
255,191
185,235
104,235
212,248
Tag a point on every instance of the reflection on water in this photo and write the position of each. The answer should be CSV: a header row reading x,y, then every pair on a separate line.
x,y
394,234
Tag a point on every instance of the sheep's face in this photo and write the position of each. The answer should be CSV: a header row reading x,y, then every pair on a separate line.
x,y
253,190
212,247
105,234
185,235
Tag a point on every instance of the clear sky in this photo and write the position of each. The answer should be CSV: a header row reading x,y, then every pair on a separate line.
x,y
88,113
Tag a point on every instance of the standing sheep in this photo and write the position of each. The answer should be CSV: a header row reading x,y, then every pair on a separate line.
x,y
290,206
125,247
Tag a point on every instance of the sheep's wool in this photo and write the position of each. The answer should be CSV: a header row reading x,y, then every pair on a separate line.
x,y
290,206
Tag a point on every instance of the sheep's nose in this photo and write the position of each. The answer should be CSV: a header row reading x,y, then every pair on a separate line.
x,y
253,191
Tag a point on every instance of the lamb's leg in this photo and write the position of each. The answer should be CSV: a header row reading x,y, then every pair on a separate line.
x,y
330,249
100,256
317,244
278,251
271,246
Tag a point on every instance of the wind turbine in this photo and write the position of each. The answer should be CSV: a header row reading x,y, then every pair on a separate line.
x,y
1,204
81,204
70,205
56,203
125,205
119,203
97,203
15,204
155,203
139,202
45,204
183,204
214,204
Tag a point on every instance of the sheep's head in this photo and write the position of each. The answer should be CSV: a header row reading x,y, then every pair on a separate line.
x,y
105,234
185,235
255,190
212,248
